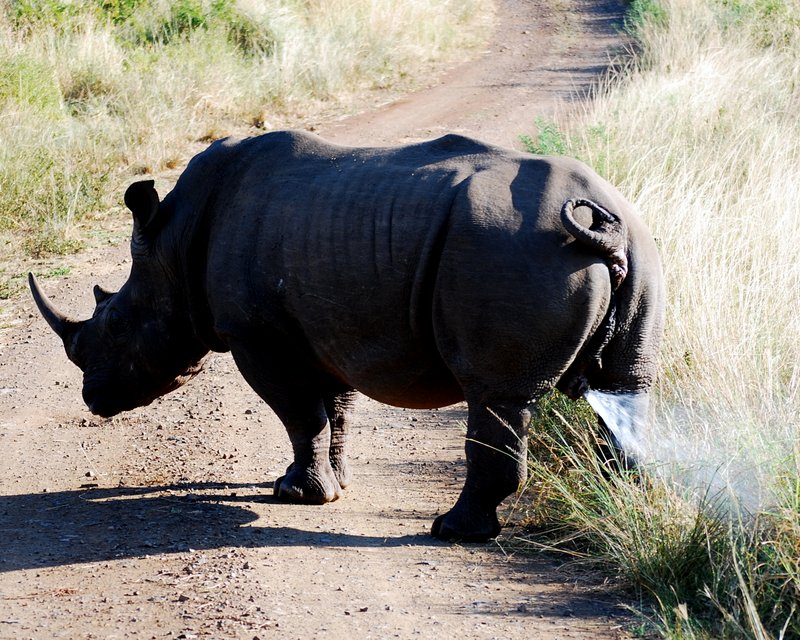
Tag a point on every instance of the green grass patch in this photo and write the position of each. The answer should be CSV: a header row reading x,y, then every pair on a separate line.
x,y
769,23
588,145
30,84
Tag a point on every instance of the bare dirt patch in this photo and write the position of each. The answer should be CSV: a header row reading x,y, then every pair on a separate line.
x,y
160,522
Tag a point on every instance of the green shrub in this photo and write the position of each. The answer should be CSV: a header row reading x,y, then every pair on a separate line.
x,y
548,141
30,15
641,13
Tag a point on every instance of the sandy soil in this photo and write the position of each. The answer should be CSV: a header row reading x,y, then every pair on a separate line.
x,y
159,523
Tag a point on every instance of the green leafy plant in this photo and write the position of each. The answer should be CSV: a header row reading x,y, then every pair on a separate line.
x,y
548,141
645,12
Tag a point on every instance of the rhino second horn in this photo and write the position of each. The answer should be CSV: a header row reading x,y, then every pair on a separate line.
x,y
58,322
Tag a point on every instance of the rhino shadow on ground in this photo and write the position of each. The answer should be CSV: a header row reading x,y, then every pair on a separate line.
x,y
45,530
100,524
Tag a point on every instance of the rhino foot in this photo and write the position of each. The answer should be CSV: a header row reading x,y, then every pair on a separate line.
x,y
458,525
342,472
308,486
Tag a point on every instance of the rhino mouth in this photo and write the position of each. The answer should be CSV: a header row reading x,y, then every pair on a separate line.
x,y
103,402
105,405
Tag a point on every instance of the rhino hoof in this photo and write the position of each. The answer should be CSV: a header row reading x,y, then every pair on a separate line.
x,y
455,527
307,488
341,470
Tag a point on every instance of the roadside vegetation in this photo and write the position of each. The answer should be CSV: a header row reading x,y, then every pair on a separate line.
x,y
701,131
93,92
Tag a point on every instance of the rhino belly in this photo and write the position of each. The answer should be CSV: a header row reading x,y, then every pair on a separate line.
x,y
394,372
428,390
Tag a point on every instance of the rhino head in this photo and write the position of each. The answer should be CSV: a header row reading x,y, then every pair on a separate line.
x,y
138,345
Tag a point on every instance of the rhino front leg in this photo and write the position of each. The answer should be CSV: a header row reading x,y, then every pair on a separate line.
x,y
338,406
310,478
496,467
298,402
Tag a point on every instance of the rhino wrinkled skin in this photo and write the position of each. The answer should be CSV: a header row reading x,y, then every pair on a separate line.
x,y
420,276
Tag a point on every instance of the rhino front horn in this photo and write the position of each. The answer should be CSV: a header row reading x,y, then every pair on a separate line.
x,y
58,322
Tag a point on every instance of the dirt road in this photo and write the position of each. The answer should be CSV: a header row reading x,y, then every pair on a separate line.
x,y
159,523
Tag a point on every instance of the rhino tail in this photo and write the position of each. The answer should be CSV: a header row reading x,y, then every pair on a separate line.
x,y
608,234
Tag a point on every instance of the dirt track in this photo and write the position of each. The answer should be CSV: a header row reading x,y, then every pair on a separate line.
x,y
160,522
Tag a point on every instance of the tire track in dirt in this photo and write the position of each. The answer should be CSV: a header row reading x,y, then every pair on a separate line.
x,y
159,522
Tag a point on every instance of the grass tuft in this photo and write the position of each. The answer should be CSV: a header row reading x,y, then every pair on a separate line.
x,y
638,528
708,568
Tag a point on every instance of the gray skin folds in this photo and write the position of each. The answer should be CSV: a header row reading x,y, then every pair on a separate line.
x,y
421,276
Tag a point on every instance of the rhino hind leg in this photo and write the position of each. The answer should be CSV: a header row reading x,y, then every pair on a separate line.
x,y
496,467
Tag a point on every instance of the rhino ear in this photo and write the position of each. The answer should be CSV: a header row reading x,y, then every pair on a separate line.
x,y
100,294
142,199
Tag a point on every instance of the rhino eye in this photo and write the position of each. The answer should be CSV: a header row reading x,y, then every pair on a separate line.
x,y
115,324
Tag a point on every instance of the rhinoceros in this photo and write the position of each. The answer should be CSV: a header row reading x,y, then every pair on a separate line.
x,y
421,276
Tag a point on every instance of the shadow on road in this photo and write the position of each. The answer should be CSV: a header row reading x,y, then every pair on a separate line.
x,y
100,525
90,525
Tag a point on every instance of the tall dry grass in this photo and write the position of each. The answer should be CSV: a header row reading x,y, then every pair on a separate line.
x,y
701,131
94,92
708,149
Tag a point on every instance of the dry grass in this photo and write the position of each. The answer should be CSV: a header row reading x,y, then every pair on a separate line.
x,y
701,133
709,150
93,93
